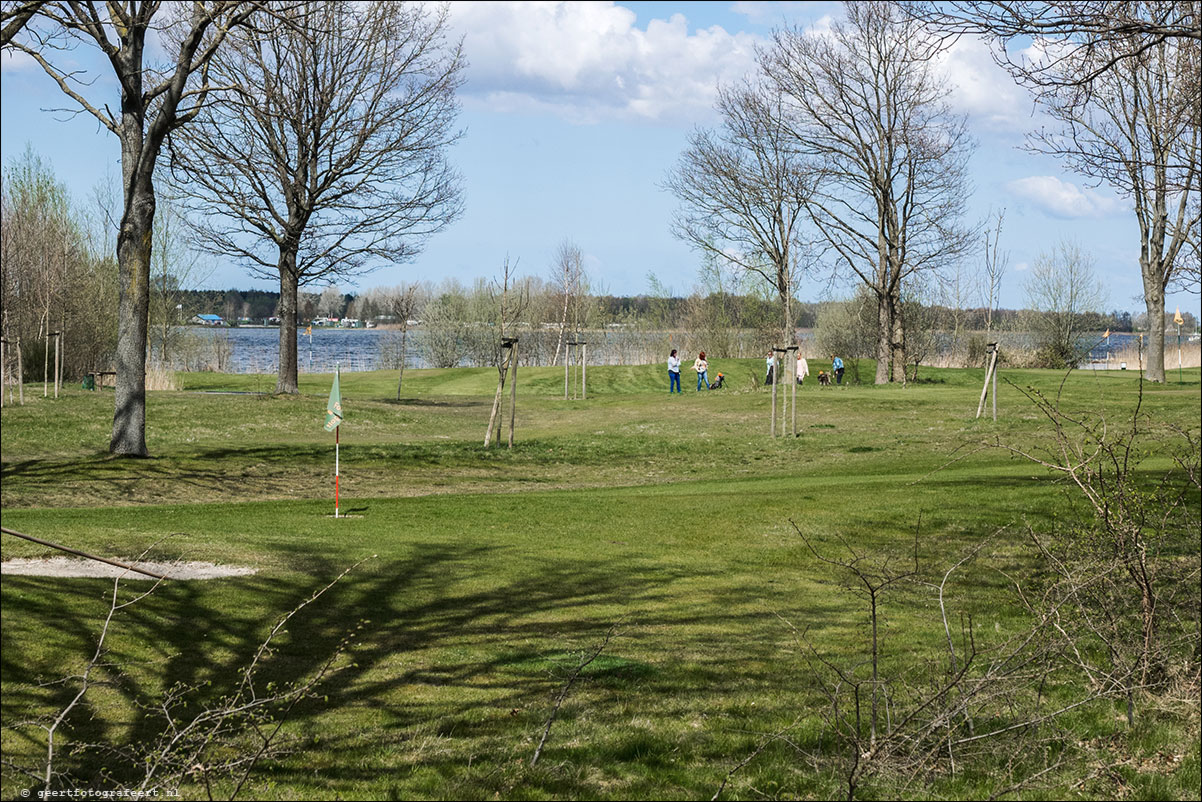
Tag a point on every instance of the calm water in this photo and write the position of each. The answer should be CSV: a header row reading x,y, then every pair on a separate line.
x,y
256,350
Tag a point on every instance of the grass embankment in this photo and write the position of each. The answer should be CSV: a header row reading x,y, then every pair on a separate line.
x,y
489,571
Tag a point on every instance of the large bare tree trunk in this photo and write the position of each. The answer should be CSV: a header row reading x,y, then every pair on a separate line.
x,y
897,345
1154,304
133,308
287,380
884,339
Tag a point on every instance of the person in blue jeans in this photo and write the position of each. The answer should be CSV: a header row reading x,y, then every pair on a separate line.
x,y
702,367
673,372
837,366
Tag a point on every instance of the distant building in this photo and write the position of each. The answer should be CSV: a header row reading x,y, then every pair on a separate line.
x,y
208,320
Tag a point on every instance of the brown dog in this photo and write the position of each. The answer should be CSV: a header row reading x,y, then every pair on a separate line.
x,y
824,378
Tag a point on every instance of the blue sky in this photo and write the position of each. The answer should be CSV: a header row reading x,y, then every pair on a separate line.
x,y
575,111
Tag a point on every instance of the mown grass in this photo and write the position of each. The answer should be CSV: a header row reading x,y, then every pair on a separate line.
x,y
487,573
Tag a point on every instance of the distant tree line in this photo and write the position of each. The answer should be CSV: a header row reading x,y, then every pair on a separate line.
x,y
673,312
59,275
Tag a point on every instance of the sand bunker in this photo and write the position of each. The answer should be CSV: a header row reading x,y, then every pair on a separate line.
x,y
72,566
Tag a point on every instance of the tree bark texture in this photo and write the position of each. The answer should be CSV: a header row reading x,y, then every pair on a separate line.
x,y
289,289
133,273
884,339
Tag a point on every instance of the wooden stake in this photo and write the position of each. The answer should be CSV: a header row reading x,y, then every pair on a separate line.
x,y
792,357
773,377
20,374
988,374
995,385
494,417
513,389
58,337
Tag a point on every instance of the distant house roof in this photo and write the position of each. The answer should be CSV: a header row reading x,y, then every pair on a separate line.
x,y
210,318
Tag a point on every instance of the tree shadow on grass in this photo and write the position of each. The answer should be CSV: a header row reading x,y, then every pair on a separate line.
x,y
452,644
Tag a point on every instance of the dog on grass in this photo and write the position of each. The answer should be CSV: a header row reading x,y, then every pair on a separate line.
x,y
824,378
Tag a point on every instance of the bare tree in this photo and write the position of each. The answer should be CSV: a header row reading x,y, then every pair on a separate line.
x,y
445,325
1061,288
742,191
331,302
867,112
996,262
510,298
1068,31
155,100
955,291
1136,126
326,153
14,14
401,304
569,282
53,279
174,268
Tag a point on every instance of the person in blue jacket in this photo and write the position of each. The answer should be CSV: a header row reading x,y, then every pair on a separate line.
x,y
837,366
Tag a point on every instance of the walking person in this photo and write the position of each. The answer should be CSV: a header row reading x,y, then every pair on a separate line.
x,y
702,367
803,368
837,366
673,372
770,368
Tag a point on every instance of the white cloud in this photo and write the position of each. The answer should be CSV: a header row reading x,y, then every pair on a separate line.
x,y
1064,200
588,62
1021,266
983,90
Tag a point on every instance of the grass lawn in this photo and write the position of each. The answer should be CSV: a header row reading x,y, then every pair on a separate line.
x,y
486,574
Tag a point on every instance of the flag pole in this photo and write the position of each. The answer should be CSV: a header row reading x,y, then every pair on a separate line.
x,y
1178,320
337,431
337,439
333,421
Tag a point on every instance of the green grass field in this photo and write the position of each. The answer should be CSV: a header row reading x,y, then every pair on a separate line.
x,y
487,573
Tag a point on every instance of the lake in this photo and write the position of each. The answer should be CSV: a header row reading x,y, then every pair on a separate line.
x,y
256,350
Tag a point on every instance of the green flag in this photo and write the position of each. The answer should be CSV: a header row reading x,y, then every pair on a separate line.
x,y
334,407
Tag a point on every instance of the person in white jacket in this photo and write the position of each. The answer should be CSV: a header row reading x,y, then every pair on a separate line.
x,y
673,372
803,368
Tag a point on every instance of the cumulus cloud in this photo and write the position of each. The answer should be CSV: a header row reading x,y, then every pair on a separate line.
x,y
1063,199
983,90
589,62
